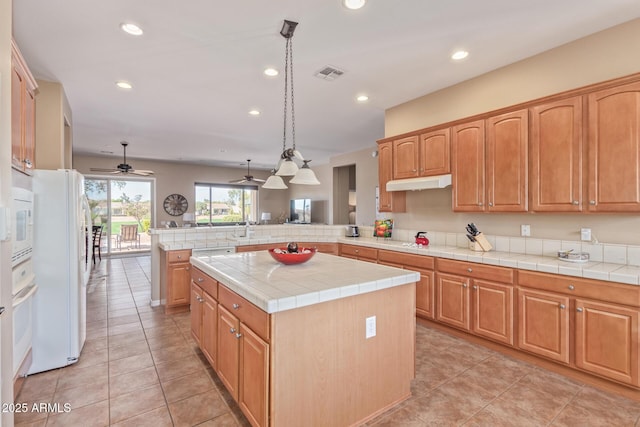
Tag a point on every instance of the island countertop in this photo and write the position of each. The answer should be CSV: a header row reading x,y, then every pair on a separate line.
x,y
276,287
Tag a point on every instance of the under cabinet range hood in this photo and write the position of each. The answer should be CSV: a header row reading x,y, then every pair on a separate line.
x,y
424,183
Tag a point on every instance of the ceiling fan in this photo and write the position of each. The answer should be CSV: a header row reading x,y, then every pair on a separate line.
x,y
248,177
123,167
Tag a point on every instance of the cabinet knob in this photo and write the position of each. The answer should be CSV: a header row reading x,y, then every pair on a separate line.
x,y
232,330
27,163
562,307
414,170
579,309
464,285
571,287
490,204
592,202
179,256
475,288
200,279
188,268
470,269
236,306
575,202
357,250
238,336
480,204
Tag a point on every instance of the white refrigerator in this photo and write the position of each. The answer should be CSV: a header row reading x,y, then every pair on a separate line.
x,y
62,226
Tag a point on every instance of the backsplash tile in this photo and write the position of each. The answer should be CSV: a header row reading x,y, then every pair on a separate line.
x,y
616,254
502,244
533,246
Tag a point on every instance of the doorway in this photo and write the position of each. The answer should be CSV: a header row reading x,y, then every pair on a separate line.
x,y
123,207
344,194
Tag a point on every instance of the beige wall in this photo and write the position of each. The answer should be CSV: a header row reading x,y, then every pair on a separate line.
x,y
180,178
53,142
601,56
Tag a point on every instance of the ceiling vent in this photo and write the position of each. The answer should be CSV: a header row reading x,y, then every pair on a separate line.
x,y
329,73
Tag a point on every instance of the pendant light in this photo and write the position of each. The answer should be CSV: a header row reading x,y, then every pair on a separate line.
x,y
274,182
287,166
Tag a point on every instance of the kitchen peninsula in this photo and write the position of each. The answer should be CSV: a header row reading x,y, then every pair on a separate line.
x,y
327,342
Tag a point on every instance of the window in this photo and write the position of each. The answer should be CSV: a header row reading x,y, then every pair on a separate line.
x,y
225,204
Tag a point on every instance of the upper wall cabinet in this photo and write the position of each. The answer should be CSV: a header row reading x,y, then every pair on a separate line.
x,y
422,155
388,201
556,156
490,164
23,113
614,149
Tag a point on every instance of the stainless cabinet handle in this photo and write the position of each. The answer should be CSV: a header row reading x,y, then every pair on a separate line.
x,y
200,279
571,287
232,330
238,336
470,269
562,307
575,202
579,309
236,306
592,202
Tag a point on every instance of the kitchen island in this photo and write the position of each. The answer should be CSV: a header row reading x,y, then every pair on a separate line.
x,y
327,342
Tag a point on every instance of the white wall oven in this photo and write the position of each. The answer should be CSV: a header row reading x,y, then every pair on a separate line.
x,y
21,225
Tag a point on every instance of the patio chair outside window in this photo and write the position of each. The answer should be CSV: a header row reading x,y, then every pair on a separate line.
x,y
128,233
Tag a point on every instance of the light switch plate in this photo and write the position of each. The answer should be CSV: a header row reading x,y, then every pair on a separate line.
x,y
371,327
585,234
525,230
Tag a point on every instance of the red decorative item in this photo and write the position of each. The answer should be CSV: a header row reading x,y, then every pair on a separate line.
x,y
288,258
421,238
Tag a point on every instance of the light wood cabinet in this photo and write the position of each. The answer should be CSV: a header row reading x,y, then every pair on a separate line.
x,y
196,313
607,340
614,149
254,377
543,324
507,162
361,253
468,167
406,157
556,148
176,280
388,201
228,350
23,110
470,297
435,153
209,331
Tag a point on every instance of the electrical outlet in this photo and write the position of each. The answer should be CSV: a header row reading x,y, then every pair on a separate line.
x,y
585,234
371,327
525,230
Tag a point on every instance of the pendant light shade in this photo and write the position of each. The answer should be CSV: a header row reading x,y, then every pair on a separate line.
x,y
305,176
274,182
287,168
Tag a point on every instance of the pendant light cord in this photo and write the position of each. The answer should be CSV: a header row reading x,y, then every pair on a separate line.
x,y
288,79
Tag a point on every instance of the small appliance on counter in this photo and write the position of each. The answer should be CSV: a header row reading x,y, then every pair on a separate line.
x,y
351,231
421,238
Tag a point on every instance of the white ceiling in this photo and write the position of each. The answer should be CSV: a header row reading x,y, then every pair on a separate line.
x,y
197,70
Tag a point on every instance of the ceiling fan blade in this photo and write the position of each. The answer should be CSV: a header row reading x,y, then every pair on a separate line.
x,y
259,180
238,181
141,172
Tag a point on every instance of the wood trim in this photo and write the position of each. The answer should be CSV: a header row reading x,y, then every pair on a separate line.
x,y
474,270
30,81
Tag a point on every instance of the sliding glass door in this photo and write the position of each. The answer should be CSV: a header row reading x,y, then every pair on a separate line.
x,y
123,208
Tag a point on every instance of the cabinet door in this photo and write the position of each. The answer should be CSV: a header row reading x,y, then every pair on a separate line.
x,y
556,156
507,162
196,313
17,92
388,201
614,149
467,169
228,350
453,300
405,157
254,377
607,340
424,293
208,338
178,284
543,324
434,153
29,131
493,311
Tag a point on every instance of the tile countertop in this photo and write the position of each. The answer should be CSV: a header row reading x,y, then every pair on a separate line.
x,y
591,270
275,287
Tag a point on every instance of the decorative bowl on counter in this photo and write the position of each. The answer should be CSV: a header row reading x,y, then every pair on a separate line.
x,y
288,258
571,256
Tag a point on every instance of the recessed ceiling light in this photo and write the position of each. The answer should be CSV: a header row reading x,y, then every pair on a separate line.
x,y
362,98
124,85
254,112
353,4
271,72
459,54
132,29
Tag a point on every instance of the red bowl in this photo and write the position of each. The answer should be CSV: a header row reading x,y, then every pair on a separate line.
x,y
303,255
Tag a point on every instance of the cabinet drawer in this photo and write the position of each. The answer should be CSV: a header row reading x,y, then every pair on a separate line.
x,y
249,314
179,256
407,260
327,248
587,288
476,271
359,251
206,282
